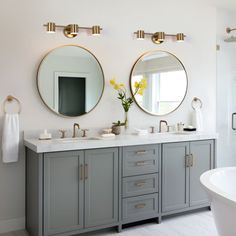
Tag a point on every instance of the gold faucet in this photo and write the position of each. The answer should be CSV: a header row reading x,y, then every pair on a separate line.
x,y
74,127
160,124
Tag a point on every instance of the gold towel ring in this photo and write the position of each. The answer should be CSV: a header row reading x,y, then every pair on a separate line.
x,y
196,101
10,99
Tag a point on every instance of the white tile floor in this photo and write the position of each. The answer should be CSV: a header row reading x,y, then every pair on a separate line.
x,y
193,224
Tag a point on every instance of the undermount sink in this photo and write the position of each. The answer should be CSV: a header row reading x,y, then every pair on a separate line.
x,y
182,133
71,140
173,133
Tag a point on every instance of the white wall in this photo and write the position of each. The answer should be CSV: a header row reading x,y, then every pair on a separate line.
x,y
226,87
24,43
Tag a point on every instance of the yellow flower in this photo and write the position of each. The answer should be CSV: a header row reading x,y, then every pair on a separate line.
x,y
116,86
140,92
136,84
122,85
143,84
112,81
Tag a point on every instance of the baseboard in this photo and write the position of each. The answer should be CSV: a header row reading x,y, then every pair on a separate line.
x,y
12,225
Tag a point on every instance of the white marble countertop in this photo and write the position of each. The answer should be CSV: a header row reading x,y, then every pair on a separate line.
x,y
55,145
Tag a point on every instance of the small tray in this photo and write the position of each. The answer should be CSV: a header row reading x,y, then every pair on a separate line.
x,y
190,129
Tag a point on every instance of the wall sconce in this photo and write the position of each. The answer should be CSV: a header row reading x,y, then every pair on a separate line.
x,y
71,30
159,37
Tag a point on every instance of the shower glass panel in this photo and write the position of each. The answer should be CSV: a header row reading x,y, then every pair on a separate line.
x,y
226,103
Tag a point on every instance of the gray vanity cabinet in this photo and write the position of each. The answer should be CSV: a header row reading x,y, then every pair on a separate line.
x,y
140,182
78,193
101,187
175,176
63,192
72,192
182,165
203,160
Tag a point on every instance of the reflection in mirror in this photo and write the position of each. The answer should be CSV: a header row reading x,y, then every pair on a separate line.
x,y
70,80
166,82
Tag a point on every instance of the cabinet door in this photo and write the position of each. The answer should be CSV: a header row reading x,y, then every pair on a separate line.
x,y
175,176
101,186
202,153
63,192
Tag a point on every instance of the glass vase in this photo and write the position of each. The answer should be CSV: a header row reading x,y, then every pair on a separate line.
x,y
126,120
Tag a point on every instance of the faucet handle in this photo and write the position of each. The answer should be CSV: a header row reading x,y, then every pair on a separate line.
x,y
152,129
63,133
84,134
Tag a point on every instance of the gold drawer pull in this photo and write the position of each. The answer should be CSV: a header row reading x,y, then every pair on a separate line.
x,y
191,160
187,161
141,152
81,172
140,184
140,163
140,206
86,171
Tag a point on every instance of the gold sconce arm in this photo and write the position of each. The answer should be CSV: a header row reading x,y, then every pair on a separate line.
x,y
159,37
72,30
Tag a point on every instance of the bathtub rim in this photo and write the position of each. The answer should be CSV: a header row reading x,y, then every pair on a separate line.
x,y
213,189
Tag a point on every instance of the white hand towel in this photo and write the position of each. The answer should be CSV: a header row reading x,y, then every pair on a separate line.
x,y
10,138
197,119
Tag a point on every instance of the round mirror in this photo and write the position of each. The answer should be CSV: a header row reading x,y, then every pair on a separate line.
x,y
70,80
166,82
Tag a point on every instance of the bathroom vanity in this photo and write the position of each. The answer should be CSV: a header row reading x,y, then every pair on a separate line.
x,y
76,186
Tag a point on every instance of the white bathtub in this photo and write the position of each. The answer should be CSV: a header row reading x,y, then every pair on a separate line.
x,y
220,185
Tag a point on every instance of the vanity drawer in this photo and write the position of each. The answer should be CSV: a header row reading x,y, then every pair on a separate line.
x,y
140,160
139,185
138,208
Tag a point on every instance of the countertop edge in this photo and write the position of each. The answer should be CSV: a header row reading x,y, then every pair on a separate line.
x,y
46,146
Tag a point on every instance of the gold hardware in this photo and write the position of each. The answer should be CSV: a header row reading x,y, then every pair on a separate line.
x,y
140,35
152,129
187,161
141,152
74,127
84,132
159,37
162,121
72,30
180,37
96,30
51,27
140,163
81,172
140,206
191,160
86,171
140,184
10,98
63,133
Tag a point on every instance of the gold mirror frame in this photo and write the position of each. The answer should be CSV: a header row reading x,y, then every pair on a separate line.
x,y
131,75
37,80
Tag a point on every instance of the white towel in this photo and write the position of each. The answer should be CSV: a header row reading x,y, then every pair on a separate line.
x,y
197,119
10,138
